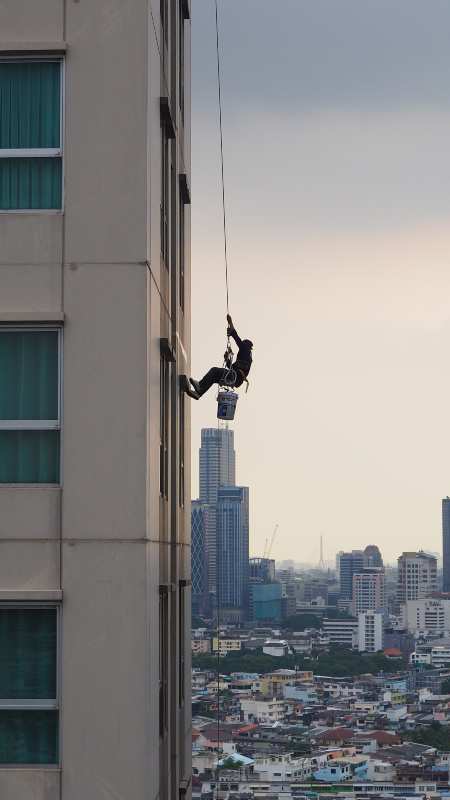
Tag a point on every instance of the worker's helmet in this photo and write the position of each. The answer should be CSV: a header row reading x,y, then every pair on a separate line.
x,y
247,342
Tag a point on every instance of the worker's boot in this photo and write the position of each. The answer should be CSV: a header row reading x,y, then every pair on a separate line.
x,y
197,387
184,384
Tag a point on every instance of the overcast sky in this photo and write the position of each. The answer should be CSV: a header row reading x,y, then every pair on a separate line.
x,y
337,169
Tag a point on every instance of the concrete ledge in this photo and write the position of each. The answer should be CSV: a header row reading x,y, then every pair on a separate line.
x,y
31,316
33,595
33,47
30,783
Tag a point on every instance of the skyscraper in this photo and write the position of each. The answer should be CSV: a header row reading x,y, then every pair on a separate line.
x,y
372,556
446,543
94,436
217,462
217,465
417,576
232,551
199,523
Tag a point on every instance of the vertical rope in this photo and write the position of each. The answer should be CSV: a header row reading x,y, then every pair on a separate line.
x,y
219,86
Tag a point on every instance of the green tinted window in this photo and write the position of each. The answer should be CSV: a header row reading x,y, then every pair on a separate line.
x,y
28,737
28,375
27,654
30,120
30,104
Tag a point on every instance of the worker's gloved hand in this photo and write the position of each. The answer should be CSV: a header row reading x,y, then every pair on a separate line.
x,y
230,330
230,321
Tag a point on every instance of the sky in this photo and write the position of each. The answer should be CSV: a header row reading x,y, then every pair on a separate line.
x,y
337,168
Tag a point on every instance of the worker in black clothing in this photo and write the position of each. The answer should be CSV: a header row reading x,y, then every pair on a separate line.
x,y
232,376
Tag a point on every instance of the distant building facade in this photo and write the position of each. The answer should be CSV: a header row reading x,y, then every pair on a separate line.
x,y
217,467
370,632
232,551
199,527
369,591
427,616
349,564
417,576
341,631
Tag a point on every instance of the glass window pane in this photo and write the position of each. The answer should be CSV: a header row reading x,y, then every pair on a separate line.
x,y
27,654
28,737
29,375
29,456
30,104
30,183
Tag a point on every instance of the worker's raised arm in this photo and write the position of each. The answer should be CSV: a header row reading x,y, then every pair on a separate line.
x,y
231,331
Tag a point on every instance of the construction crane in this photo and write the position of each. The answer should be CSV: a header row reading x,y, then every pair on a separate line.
x,y
268,549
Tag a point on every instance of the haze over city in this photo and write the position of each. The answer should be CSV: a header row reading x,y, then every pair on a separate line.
x,y
336,167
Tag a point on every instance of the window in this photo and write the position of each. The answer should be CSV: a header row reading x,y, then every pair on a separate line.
x,y
185,199
182,254
165,196
30,135
181,640
163,663
182,449
184,14
164,11
164,428
28,685
30,419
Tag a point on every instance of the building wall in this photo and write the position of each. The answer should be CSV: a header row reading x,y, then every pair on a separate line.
x,y
417,576
368,591
104,540
232,547
427,615
370,632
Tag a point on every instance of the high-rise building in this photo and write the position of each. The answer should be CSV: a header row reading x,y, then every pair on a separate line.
x,y
427,616
232,551
446,543
199,525
370,632
94,437
417,576
349,564
368,591
217,463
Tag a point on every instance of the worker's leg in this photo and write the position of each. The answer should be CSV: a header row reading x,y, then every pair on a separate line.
x,y
215,375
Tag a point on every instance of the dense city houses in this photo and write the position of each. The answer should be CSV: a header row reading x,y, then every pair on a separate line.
x,y
309,681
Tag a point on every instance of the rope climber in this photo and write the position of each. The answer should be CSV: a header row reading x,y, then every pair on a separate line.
x,y
232,374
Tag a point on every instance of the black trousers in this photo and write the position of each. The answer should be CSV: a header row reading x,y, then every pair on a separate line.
x,y
217,375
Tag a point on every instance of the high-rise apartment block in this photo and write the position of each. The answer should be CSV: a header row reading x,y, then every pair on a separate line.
x,y
446,543
94,434
369,591
232,552
417,576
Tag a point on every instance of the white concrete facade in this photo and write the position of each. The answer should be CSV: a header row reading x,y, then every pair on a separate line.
x,y
105,544
370,632
417,576
429,615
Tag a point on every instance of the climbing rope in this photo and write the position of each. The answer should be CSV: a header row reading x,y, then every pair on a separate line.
x,y
219,87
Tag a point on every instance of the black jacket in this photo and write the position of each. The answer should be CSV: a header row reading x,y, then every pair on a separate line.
x,y
244,357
